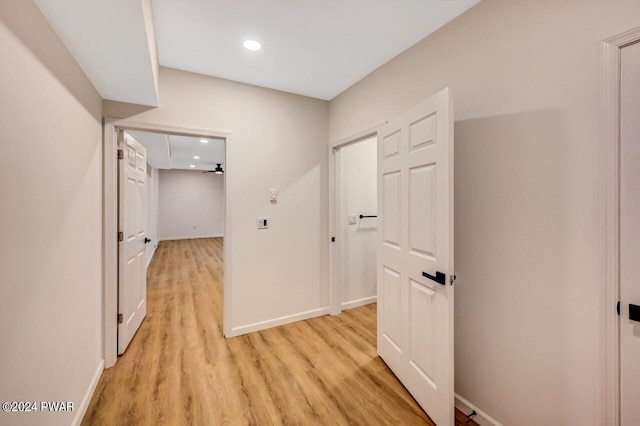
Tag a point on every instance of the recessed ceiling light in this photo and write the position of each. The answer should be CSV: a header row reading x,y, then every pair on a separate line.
x,y
192,166
195,157
252,45
204,141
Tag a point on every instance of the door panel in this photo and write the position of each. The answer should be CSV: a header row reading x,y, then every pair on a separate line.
x,y
422,133
422,211
132,280
422,341
391,145
132,201
391,195
393,298
415,314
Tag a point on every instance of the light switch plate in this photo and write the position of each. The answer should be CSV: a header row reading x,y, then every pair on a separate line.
x,y
273,195
263,222
353,219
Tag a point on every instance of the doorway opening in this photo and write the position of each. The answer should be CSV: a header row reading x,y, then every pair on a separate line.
x,y
413,245
355,223
169,157
171,187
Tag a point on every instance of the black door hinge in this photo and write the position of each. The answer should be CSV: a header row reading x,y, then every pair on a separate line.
x,y
333,239
618,308
120,154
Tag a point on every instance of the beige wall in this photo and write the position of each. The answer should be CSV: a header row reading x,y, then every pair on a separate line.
x,y
153,196
191,204
278,140
524,76
51,216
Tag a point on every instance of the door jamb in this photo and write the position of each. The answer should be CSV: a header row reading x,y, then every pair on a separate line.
x,y
334,205
609,135
110,225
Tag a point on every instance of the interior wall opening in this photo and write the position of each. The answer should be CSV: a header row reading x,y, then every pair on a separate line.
x,y
356,222
178,194
185,198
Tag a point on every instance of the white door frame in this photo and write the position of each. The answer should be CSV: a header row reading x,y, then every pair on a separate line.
x,y
334,205
609,135
110,224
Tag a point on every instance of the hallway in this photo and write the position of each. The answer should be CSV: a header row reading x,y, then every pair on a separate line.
x,y
179,370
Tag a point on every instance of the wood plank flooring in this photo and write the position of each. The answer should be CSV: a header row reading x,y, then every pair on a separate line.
x,y
180,370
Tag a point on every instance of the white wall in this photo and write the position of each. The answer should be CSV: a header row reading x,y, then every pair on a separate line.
x,y
191,205
277,140
524,77
152,212
51,215
357,193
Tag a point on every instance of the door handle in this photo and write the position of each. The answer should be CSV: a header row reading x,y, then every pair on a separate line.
x,y
147,240
634,312
440,278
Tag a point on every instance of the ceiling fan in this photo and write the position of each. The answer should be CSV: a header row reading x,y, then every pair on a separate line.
x,y
218,170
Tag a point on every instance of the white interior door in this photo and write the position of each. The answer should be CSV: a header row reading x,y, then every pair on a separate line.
x,y
132,276
630,236
415,235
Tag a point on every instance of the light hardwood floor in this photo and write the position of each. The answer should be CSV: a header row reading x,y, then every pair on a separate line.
x,y
180,370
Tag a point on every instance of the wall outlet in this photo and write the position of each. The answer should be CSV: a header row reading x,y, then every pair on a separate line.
x,y
263,222
353,219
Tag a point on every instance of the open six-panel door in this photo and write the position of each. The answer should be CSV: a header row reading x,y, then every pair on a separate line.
x,y
132,274
415,253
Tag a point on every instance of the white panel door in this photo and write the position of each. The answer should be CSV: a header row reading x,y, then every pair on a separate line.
x,y
415,240
630,236
132,275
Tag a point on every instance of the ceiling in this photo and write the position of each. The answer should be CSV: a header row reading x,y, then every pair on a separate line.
x,y
316,48
177,152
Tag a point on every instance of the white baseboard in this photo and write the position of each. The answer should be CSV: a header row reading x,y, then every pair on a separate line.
x,y
155,247
82,408
482,418
192,237
262,325
359,302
